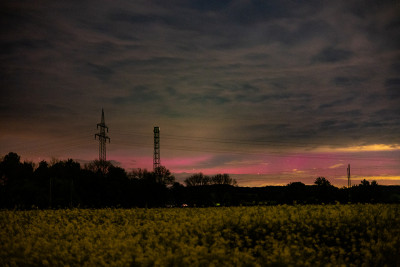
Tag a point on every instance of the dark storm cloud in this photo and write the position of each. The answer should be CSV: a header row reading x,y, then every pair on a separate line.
x,y
138,95
348,81
102,72
259,70
329,125
339,103
267,128
331,55
396,66
393,88
205,99
257,57
30,111
154,62
8,48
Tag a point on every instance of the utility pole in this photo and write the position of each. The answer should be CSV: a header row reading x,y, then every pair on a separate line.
x,y
156,156
102,138
348,176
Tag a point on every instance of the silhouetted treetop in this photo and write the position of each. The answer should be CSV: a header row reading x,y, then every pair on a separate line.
x,y
366,183
296,185
163,176
10,165
139,173
98,166
117,173
322,182
223,179
63,183
198,179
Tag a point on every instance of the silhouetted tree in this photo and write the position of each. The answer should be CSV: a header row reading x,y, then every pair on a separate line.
x,y
150,188
325,191
64,183
138,173
163,176
197,180
364,183
222,179
296,192
98,166
16,181
178,194
323,182
367,192
61,181
10,168
41,179
297,185
117,173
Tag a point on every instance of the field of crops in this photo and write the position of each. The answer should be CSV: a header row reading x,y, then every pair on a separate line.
x,y
347,235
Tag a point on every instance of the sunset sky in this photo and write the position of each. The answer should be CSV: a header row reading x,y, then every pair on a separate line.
x,y
271,92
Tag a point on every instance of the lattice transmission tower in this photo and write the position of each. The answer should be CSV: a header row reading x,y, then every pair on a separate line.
x,y
102,138
156,156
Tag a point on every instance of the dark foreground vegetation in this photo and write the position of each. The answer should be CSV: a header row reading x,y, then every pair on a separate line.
x,y
284,235
61,184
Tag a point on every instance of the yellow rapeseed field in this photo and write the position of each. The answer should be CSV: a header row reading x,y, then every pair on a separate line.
x,y
311,235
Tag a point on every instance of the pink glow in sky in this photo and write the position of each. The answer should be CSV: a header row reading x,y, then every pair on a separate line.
x,y
250,169
258,170
238,87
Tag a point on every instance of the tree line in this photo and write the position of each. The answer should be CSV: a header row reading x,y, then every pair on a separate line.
x,y
62,184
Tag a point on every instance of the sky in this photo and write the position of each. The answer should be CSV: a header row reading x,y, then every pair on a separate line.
x,y
270,92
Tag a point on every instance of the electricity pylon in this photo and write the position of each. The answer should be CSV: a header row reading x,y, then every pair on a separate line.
x,y
156,157
102,138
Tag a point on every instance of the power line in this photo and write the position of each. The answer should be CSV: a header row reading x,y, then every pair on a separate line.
x,y
240,141
73,142
269,153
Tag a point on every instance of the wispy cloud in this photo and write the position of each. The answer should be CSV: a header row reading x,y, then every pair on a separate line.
x,y
336,166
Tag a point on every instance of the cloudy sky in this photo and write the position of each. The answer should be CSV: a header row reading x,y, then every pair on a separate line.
x,y
270,92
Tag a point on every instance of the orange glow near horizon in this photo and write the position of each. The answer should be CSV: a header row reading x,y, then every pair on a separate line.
x,y
372,162
371,178
366,148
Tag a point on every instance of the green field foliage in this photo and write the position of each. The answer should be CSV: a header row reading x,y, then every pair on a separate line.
x,y
299,235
